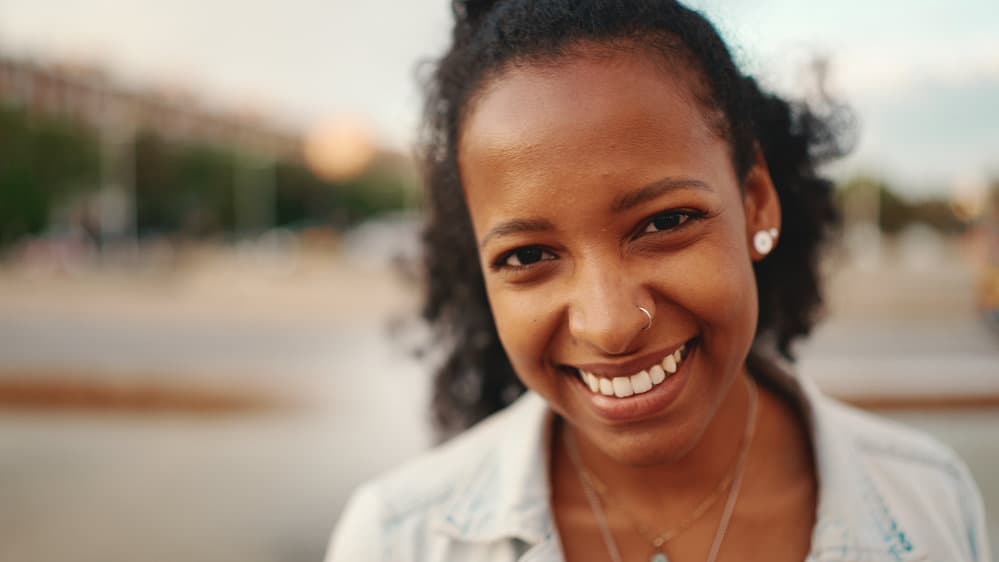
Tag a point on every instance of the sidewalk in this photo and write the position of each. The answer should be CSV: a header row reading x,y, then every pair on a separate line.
x,y
902,337
222,324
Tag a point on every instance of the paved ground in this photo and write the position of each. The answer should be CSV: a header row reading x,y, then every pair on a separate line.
x,y
132,482
165,486
904,333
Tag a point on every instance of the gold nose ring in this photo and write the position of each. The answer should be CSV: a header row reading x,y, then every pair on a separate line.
x,y
648,315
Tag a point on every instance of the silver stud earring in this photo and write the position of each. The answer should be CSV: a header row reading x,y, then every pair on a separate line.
x,y
764,240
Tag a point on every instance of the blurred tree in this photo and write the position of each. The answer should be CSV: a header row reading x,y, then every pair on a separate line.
x,y
183,189
180,188
375,192
155,212
939,214
302,199
894,212
204,184
23,207
42,162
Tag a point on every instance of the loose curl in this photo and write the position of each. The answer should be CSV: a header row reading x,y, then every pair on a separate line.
x,y
476,378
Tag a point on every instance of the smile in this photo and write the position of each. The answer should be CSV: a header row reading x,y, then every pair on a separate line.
x,y
638,383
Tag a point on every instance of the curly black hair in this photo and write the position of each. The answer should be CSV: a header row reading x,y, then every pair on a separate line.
x,y
476,378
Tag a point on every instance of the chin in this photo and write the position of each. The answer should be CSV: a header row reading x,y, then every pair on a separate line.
x,y
651,446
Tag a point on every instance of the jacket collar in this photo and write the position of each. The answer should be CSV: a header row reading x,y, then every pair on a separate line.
x,y
507,496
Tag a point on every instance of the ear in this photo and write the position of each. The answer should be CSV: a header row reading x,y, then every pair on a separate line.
x,y
760,202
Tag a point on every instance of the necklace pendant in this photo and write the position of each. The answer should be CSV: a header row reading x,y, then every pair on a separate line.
x,y
659,557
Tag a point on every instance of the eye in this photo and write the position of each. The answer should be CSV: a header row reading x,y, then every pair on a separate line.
x,y
669,220
523,257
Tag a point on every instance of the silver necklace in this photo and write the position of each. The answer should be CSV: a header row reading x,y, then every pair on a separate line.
x,y
659,556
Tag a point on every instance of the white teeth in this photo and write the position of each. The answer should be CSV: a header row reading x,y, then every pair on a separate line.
x,y
641,382
606,387
669,364
638,383
622,387
658,374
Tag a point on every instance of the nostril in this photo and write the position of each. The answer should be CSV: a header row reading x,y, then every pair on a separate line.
x,y
613,334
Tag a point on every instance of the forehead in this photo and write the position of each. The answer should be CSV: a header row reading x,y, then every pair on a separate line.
x,y
583,123
534,101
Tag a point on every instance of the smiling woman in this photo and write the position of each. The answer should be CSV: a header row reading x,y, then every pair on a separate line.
x,y
626,227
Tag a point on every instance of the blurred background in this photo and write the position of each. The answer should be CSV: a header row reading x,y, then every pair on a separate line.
x,y
208,218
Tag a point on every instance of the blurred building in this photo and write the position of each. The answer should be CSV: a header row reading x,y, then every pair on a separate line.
x,y
88,96
167,164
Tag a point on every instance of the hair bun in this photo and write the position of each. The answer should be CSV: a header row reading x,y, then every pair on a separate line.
x,y
471,12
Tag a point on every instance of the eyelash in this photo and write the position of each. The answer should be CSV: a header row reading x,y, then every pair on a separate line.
x,y
501,262
685,215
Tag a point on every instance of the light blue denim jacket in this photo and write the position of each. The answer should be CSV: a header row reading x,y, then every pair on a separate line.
x,y
886,493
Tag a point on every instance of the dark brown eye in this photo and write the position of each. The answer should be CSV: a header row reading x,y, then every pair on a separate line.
x,y
667,221
525,256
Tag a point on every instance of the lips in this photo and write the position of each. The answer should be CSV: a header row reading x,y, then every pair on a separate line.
x,y
638,389
639,382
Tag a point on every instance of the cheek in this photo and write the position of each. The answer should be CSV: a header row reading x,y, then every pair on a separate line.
x,y
526,322
718,288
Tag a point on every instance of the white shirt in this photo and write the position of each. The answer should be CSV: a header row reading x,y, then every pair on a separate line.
x,y
886,493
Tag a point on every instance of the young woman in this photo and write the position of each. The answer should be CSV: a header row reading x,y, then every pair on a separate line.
x,y
625,225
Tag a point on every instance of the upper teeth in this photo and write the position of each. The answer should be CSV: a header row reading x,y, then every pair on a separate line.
x,y
642,381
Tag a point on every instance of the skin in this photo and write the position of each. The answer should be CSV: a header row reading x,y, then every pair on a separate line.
x,y
548,155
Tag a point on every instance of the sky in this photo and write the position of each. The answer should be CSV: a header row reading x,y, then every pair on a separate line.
x,y
921,76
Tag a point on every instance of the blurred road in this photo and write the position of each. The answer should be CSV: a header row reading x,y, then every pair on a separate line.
x,y
95,484
98,484
898,334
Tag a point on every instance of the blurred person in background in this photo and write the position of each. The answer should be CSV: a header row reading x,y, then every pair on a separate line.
x,y
623,239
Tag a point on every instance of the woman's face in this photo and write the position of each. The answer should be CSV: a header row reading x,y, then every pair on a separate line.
x,y
597,186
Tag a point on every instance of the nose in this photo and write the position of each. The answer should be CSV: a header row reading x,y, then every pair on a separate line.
x,y
603,309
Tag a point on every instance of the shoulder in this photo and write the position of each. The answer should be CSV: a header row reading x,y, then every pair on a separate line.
x,y
916,482
407,506
881,440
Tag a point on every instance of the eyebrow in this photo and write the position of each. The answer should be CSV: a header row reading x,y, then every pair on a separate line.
x,y
622,203
654,190
517,226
